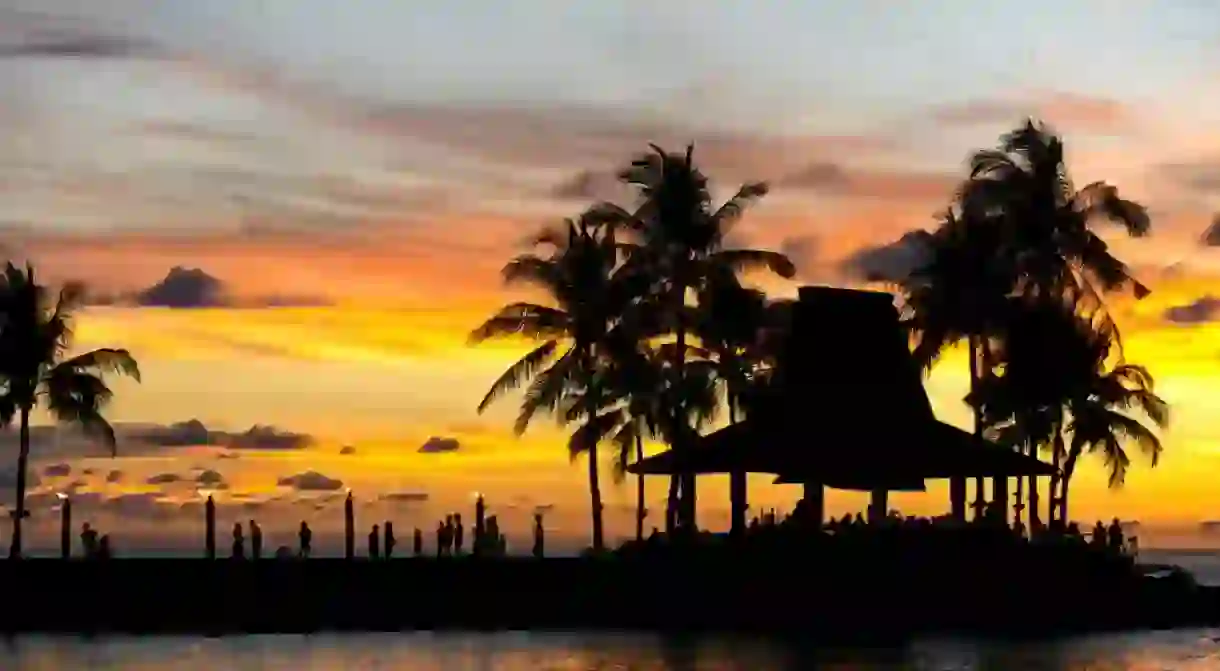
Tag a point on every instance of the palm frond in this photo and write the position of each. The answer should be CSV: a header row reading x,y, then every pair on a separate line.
x,y
523,369
526,320
103,361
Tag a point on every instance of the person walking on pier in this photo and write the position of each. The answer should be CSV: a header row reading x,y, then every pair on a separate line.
x,y
375,542
256,540
239,542
390,541
417,542
539,537
103,547
458,533
306,538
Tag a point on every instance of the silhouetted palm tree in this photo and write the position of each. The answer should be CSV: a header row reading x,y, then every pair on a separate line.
x,y
1093,397
1049,241
579,275
959,292
1021,228
636,388
728,323
35,335
681,244
1105,413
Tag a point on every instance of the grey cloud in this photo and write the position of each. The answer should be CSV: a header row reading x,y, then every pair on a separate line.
x,y
1211,236
164,479
833,179
1080,112
311,481
891,262
589,185
195,432
57,470
79,47
1202,310
265,438
193,288
347,450
209,478
184,288
405,497
802,250
439,445
114,476
1200,176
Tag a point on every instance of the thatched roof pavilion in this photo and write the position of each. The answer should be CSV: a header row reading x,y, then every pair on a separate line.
x,y
847,410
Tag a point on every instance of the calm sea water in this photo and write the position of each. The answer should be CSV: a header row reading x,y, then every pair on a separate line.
x,y
1187,650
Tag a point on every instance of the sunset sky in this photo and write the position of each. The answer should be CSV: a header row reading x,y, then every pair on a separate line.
x,y
349,177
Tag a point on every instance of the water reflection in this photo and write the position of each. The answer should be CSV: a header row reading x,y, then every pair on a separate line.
x,y
1189,650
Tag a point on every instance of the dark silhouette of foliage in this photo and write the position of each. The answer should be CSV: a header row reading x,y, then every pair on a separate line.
x,y
35,370
580,277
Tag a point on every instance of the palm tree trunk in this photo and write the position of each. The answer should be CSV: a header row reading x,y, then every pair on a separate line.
x,y
595,493
975,352
595,488
23,457
639,489
1069,467
1052,504
1018,506
1034,519
999,496
671,506
686,501
737,489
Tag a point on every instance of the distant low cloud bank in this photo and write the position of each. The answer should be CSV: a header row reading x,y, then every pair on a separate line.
x,y
439,445
185,288
890,262
1203,310
194,432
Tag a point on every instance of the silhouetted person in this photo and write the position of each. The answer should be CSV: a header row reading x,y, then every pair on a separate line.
x,y
493,535
417,542
256,540
306,538
375,542
1099,535
103,547
440,538
449,534
239,542
539,536
458,534
88,541
283,552
1116,535
390,541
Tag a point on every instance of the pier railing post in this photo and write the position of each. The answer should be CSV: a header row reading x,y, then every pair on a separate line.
x,y
65,526
349,527
210,537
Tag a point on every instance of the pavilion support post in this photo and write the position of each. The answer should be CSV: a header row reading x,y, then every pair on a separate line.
x,y
999,496
957,498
